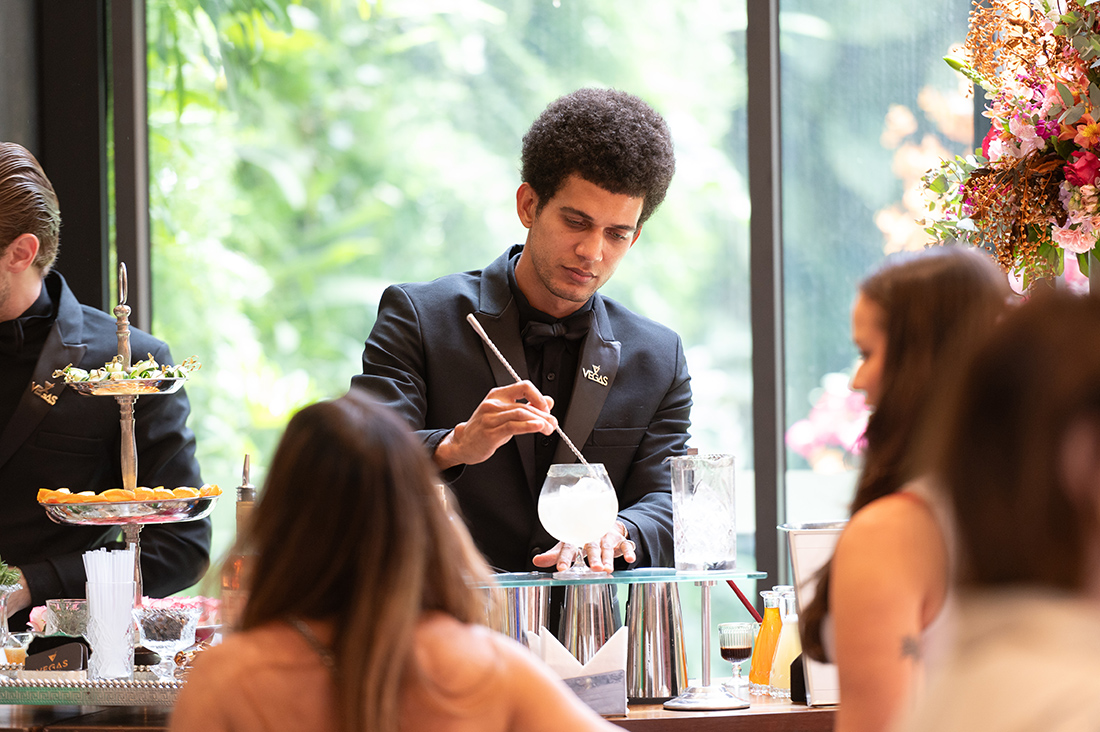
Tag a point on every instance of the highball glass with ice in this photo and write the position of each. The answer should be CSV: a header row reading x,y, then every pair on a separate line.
x,y
703,512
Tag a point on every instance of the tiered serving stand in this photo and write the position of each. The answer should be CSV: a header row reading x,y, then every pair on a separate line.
x,y
18,687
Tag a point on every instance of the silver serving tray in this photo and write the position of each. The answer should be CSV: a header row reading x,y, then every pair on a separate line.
x,y
160,511
143,690
125,387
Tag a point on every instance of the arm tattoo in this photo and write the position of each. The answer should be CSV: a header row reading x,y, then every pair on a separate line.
x,y
910,648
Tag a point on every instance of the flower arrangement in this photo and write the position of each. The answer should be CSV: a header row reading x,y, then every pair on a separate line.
x,y
830,438
1030,193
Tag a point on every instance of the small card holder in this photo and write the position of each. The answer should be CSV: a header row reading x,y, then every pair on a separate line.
x,y
69,657
605,693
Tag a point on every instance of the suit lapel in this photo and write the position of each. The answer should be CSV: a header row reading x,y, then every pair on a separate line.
x,y
597,365
503,330
38,398
499,317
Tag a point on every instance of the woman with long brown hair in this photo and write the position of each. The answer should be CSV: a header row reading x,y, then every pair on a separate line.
x,y
879,603
363,609
1018,455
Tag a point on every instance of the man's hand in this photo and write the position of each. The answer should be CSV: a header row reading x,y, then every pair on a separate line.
x,y
601,555
21,598
499,417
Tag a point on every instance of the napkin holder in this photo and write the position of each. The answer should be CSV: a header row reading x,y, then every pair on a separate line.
x,y
69,657
600,683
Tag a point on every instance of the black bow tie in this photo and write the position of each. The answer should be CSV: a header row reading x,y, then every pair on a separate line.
x,y
572,328
15,334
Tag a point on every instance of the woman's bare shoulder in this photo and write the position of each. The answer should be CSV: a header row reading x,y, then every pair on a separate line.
x,y
900,516
896,532
455,654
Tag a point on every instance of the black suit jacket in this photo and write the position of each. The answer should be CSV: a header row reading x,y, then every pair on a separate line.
x,y
75,442
629,409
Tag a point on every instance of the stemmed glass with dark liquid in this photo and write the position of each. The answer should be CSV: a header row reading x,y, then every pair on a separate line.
x,y
735,642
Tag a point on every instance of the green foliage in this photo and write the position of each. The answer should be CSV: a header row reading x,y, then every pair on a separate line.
x,y
305,155
8,575
952,221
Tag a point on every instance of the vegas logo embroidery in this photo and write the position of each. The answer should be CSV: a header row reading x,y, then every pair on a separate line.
x,y
593,374
44,392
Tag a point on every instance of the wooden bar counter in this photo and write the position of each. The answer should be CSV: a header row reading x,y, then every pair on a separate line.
x,y
765,715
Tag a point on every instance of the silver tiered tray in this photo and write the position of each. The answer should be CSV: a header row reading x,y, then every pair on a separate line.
x,y
159,511
127,387
19,687
143,690
131,515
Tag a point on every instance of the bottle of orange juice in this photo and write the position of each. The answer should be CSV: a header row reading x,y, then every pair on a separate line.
x,y
763,650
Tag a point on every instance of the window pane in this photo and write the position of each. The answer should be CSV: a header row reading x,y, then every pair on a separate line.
x,y
868,105
302,161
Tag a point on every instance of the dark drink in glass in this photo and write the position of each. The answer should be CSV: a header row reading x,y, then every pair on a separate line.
x,y
735,641
736,654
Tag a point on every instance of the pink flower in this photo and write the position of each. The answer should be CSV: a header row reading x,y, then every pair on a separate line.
x,y
993,135
834,426
37,622
1078,238
1084,168
1046,128
1077,282
1025,133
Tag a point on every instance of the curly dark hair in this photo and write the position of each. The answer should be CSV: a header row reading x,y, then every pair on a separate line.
x,y
607,137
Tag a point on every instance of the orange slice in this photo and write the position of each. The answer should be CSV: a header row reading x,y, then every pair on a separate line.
x,y
87,497
161,492
210,490
116,495
185,493
61,495
144,494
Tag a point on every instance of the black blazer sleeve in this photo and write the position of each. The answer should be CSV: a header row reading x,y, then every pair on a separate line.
x,y
646,494
394,364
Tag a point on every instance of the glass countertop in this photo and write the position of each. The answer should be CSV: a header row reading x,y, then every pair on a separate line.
x,y
640,575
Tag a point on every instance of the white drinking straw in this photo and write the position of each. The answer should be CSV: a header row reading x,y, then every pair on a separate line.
x,y
110,600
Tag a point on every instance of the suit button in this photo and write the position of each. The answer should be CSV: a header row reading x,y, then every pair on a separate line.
x,y
536,551
551,376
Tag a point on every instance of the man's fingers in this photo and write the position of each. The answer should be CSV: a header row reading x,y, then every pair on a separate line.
x,y
628,548
567,556
549,421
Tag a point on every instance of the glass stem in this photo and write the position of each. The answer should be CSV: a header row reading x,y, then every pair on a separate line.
x,y
4,614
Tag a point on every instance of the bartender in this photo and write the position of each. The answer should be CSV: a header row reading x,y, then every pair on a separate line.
x,y
52,437
595,166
